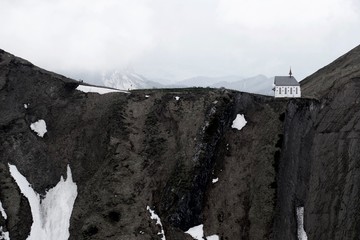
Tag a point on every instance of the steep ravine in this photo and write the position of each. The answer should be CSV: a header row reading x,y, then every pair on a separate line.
x,y
164,148
294,166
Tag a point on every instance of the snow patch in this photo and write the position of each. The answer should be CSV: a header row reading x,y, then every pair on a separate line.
x,y
51,214
39,127
177,98
300,221
4,235
213,237
215,180
3,213
154,216
99,90
196,232
239,122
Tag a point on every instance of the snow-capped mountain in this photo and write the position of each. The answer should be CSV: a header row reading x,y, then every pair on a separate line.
x,y
128,80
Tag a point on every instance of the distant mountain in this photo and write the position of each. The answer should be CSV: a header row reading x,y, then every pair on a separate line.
x,y
202,81
258,84
128,80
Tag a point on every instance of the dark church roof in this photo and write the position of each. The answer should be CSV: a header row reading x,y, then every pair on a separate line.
x,y
286,81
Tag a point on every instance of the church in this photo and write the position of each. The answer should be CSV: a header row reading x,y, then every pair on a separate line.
x,y
286,87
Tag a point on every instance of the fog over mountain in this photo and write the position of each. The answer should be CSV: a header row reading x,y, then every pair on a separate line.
x,y
127,79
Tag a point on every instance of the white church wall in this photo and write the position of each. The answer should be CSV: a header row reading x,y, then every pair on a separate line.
x,y
287,91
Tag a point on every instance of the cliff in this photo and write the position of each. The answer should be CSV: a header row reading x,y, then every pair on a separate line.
x,y
175,150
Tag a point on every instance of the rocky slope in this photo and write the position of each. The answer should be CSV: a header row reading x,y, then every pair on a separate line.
x,y
334,75
331,196
164,148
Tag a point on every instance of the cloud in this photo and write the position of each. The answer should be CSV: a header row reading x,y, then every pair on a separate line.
x,y
290,32
286,14
77,34
180,38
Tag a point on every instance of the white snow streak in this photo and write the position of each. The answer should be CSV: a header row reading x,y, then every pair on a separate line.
x,y
154,216
39,127
3,235
3,213
239,122
51,215
300,221
99,90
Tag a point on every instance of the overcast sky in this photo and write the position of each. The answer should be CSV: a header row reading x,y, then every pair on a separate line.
x,y
177,39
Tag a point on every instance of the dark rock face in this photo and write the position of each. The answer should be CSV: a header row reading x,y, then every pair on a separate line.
x,y
241,204
294,166
19,215
332,201
332,197
147,148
